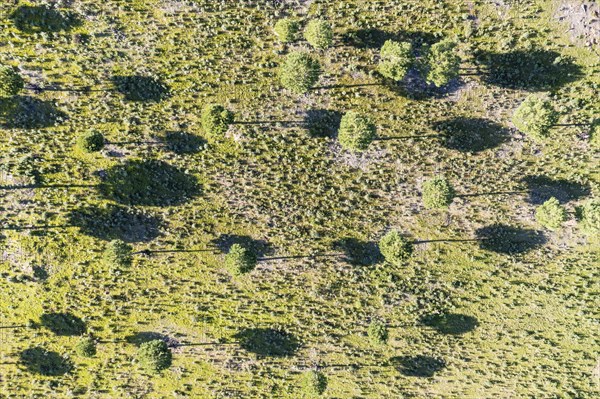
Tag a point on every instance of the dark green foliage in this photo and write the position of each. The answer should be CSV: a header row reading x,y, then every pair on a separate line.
x,y
11,83
141,88
442,63
318,33
590,217
91,141
535,116
240,260
216,120
395,248
118,253
299,72
63,324
396,59
155,355
86,347
32,19
378,332
41,361
551,214
313,383
273,342
149,182
437,193
356,132
287,30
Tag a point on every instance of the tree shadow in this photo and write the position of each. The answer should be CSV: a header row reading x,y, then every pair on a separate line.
x,y
41,361
509,240
184,143
259,247
140,88
116,222
451,323
63,324
358,252
414,86
146,336
529,70
418,366
32,19
322,122
24,112
471,134
268,342
373,38
40,273
149,182
542,188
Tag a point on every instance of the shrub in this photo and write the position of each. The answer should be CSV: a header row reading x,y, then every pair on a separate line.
x,y
318,33
437,193
240,260
395,248
535,116
595,135
377,332
118,253
551,214
313,384
216,120
356,132
299,72
590,217
11,83
155,355
396,59
286,30
86,347
91,141
442,63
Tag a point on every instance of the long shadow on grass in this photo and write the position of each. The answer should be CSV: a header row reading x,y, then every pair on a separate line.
x,y
32,19
268,342
42,361
529,70
140,88
508,239
146,336
63,324
450,323
374,38
322,122
116,222
359,252
471,134
149,182
418,366
183,143
260,247
24,112
542,188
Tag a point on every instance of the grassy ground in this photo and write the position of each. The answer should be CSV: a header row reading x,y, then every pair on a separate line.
x,y
466,320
